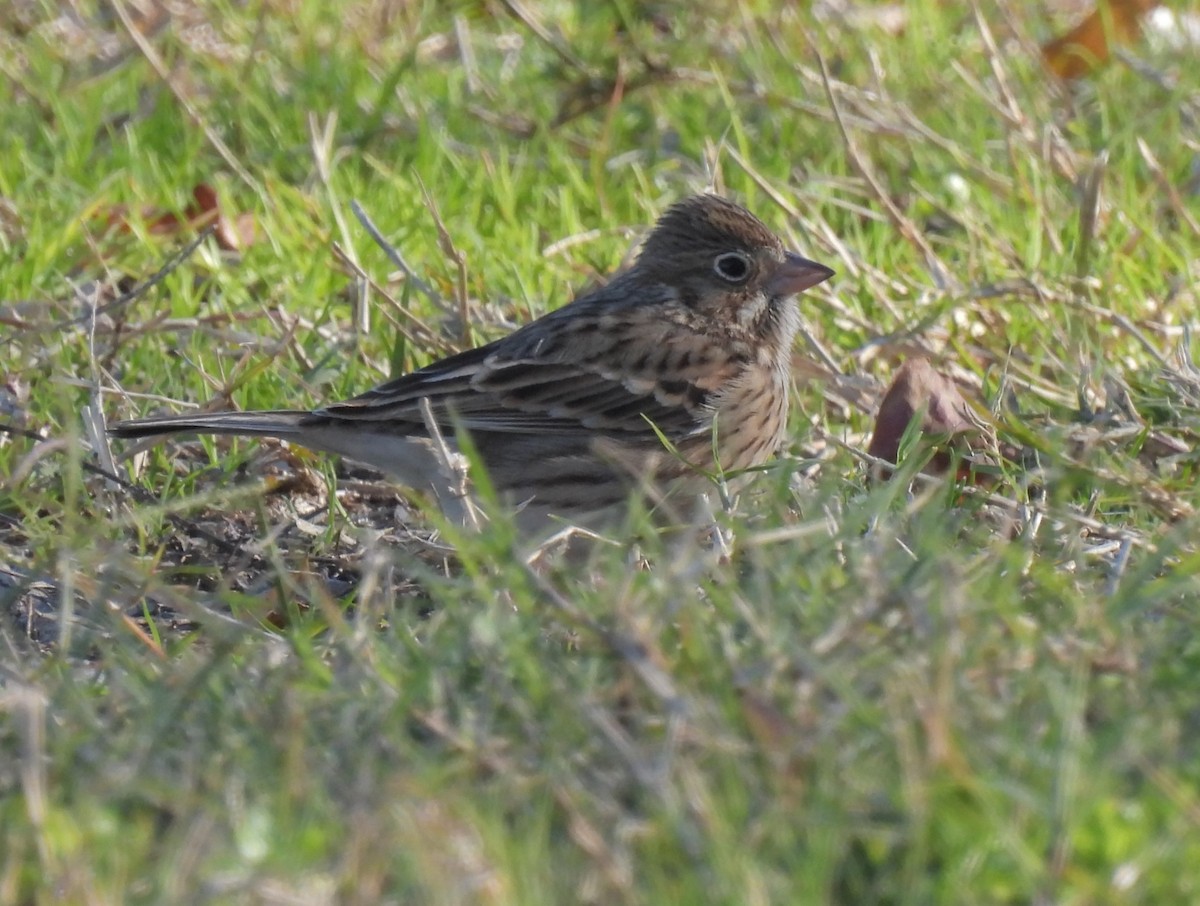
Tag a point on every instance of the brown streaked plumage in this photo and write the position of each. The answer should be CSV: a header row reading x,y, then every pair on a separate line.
x,y
695,338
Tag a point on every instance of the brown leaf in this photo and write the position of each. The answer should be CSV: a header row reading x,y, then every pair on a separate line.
x,y
919,389
1086,47
232,233
948,423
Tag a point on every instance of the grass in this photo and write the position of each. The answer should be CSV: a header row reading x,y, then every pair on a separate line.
x,y
215,693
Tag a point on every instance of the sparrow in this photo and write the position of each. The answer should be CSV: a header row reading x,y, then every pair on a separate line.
x,y
676,369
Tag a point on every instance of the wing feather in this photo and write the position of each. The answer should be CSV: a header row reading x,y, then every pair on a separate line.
x,y
485,390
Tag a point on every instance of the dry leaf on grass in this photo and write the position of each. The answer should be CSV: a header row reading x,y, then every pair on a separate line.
x,y
233,233
1088,45
947,420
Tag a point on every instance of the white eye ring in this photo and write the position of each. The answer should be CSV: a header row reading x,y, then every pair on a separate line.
x,y
732,267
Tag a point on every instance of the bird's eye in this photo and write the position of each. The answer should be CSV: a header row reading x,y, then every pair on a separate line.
x,y
732,266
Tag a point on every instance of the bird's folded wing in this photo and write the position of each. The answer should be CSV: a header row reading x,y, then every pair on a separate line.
x,y
483,392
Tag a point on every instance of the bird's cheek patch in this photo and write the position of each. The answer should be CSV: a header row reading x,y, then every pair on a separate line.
x,y
751,309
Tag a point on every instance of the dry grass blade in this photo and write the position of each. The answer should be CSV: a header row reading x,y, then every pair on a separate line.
x,y
446,242
131,295
937,269
397,259
1089,213
193,112
1178,207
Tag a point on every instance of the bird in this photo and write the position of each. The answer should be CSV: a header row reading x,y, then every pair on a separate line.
x,y
675,370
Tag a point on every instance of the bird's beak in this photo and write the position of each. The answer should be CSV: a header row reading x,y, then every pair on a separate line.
x,y
796,274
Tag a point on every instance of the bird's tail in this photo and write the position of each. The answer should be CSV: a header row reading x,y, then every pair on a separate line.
x,y
284,423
